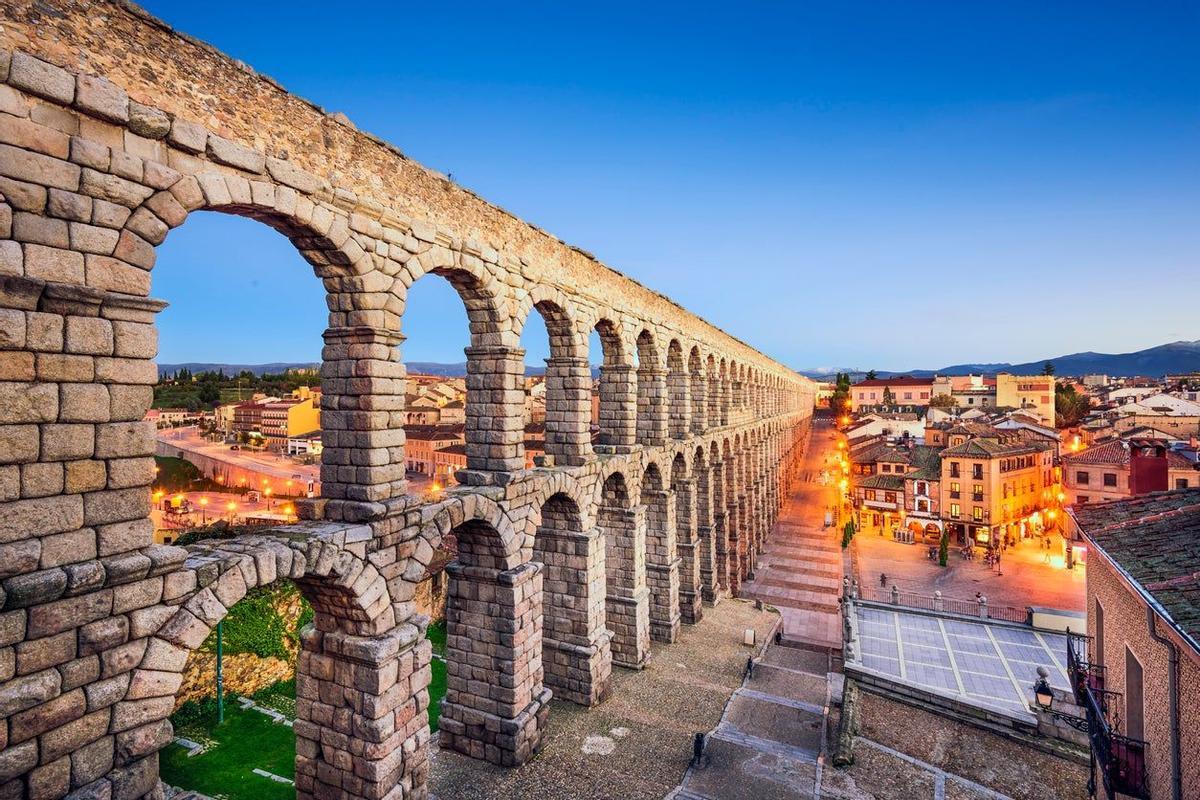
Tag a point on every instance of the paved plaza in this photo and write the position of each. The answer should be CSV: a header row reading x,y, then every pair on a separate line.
x,y
1025,577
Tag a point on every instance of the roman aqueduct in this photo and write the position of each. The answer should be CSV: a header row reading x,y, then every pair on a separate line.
x,y
113,130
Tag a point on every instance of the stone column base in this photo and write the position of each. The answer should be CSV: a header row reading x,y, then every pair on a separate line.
x,y
629,620
578,673
497,740
691,607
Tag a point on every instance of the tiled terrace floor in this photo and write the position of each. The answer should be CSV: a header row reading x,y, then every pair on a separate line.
x,y
986,664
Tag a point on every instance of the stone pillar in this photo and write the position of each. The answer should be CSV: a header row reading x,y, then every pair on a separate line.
x,y
691,608
699,399
496,705
714,402
724,401
680,411
662,564
627,604
568,410
362,418
618,408
576,651
362,721
651,406
495,411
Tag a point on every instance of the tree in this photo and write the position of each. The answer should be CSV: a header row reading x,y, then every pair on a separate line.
x,y
1048,368
1070,407
871,375
889,399
210,393
847,533
944,549
942,401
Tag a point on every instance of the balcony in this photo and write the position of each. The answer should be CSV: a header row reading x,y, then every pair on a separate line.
x,y
1121,759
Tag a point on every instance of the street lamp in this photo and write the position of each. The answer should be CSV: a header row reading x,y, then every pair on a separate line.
x,y
1041,689
231,507
267,494
203,509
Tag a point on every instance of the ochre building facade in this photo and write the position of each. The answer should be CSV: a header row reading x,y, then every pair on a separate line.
x,y
114,129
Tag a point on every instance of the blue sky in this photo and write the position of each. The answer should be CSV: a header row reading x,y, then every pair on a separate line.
x,y
839,184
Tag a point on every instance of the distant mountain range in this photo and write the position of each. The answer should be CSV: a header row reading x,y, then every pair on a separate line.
x,y
1152,362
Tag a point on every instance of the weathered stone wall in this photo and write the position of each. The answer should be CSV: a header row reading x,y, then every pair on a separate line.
x,y
1002,764
113,130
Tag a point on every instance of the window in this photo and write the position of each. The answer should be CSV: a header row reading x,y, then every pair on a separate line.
x,y
955,510
955,492
977,514
954,469
1110,479
977,493
923,505
889,497
924,395
870,494
977,471
887,467
908,395
1135,727
1081,478
923,487
1081,499
1181,483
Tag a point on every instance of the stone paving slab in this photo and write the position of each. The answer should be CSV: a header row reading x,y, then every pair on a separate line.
x,y
739,772
789,683
784,724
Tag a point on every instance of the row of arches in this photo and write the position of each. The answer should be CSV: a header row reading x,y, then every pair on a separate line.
x,y
616,556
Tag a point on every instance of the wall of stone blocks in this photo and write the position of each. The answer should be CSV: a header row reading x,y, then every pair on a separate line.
x,y
103,151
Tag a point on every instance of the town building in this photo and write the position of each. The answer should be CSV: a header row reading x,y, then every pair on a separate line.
x,y
1138,671
890,393
287,419
1035,393
996,486
1123,468
421,442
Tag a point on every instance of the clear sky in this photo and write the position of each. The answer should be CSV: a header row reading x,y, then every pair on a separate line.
x,y
891,185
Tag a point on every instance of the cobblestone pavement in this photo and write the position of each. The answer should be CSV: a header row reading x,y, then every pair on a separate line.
x,y
1025,578
636,744
770,743
800,569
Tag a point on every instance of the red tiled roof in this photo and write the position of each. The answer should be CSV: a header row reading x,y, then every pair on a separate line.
x,y
896,382
1116,453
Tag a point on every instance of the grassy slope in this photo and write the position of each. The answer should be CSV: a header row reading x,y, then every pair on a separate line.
x,y
246,740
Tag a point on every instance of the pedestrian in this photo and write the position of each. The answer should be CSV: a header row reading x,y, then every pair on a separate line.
x,y
883,579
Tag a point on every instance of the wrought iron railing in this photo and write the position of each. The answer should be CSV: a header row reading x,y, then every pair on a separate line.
x,y
947,605
1121,759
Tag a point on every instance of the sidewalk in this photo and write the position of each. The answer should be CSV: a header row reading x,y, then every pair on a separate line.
x,y
800,569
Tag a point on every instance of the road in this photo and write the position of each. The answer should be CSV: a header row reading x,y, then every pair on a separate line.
x,y
800,569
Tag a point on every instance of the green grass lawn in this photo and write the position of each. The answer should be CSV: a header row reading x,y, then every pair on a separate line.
x,y
247,739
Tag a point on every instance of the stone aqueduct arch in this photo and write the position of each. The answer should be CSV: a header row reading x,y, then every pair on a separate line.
x,y
563,570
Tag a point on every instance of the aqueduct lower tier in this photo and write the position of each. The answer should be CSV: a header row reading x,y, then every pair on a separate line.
x,y
113,130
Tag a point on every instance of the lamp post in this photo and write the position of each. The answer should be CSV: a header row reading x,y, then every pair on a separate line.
x,y
203,510
231,507
267,494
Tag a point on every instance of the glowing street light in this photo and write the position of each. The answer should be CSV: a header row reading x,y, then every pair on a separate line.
x,y
203,510
231,507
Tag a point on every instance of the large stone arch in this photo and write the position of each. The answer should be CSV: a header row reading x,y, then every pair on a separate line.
x,y
354,627
567,377
651,390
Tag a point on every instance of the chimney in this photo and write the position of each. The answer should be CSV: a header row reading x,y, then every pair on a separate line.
x,y
1147,466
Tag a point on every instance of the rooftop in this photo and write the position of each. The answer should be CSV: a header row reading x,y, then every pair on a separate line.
x,y
1155,539
1116,453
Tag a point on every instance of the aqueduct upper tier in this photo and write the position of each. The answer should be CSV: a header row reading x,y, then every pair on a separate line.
x,y
113,130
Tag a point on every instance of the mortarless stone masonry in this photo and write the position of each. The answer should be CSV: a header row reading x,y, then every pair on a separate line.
x,y
113,130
